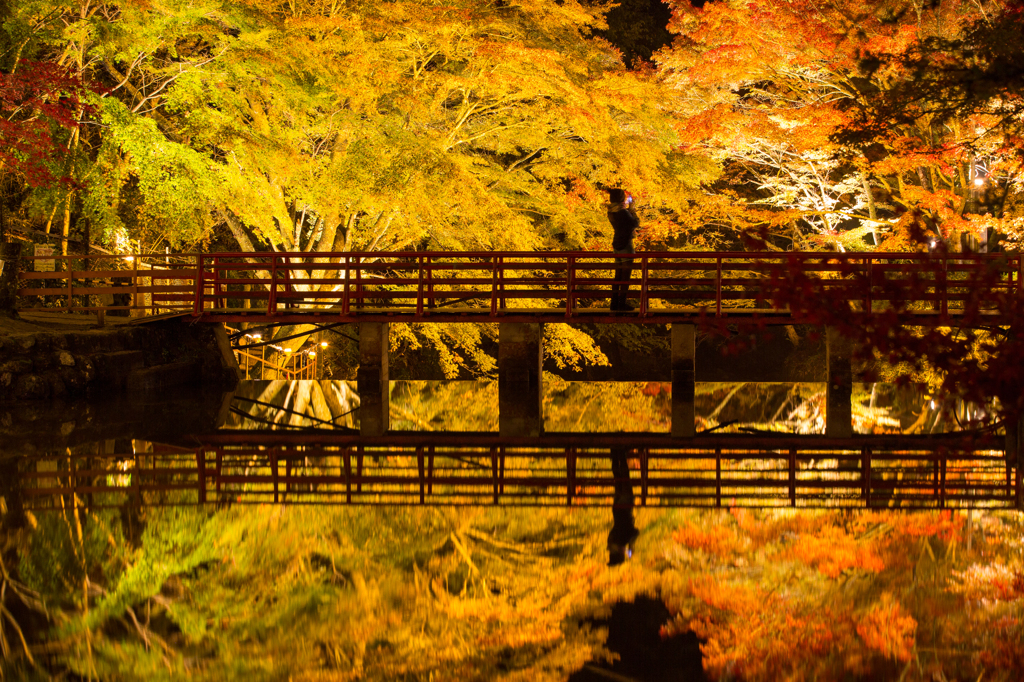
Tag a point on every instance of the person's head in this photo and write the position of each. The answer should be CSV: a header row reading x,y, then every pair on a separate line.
x,y
620,543
616,195
617,554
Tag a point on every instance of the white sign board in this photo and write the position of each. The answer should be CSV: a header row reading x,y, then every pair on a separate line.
x,y
44,265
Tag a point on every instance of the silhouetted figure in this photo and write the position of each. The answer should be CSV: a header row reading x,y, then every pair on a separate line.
x,y
623,532
622,216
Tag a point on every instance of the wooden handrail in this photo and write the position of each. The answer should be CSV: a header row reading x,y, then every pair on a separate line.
x,y
488,286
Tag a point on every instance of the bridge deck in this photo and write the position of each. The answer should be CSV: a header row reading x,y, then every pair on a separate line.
x,y
776,288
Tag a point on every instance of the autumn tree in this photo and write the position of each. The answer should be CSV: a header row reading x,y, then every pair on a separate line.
x,y
771,89
323,127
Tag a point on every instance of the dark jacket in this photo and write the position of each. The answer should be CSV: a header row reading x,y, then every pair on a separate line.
x,y
625,222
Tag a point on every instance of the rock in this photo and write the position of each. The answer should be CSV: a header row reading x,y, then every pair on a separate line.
x,y
31,387
85,364
58,388
17,366
66,428
66,358
26,341
112,369
74,379
163,376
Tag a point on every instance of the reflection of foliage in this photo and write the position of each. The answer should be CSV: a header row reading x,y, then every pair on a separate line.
x,y
444,405
806,595
354,594
8,623
606,406
578,406
294,404
503,594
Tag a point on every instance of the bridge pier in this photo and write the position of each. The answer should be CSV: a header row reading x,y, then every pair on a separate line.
x,y
683,380
839,391
372,379
520,381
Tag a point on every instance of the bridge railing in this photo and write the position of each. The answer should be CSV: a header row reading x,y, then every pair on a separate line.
x,y
491,284
130,285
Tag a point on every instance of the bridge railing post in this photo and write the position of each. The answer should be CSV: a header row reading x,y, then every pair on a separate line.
x,y
570,284
494,285
197,304
643,286
359,284
869,277
272,294
419,287
718,287
345,290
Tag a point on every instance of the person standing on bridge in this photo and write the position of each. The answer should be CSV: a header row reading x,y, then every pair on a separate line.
x,y
622,216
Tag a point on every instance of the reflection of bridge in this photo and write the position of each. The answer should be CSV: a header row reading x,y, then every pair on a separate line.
x,y
517,286
768,470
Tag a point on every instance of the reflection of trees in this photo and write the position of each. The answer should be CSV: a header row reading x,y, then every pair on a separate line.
x,y
370,594
444,406
605,406
294,404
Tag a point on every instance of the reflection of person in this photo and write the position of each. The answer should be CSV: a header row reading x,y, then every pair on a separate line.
x,y
622,216
623,533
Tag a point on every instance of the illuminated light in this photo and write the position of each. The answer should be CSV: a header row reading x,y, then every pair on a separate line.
x,y
312,354
129,258
933,404
323,344
256,337
978,182
287,350
933,243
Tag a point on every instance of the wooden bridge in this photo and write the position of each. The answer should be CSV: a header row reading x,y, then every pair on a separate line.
x,y
525,287
523,290
953,471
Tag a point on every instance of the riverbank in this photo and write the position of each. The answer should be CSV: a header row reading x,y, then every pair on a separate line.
x,y
49,355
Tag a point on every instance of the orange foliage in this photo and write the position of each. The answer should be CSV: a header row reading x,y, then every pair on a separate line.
x,y
943,525
751,634
832,551
889,630
723,542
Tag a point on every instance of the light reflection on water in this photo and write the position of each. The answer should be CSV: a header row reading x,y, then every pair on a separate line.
x,y
593,407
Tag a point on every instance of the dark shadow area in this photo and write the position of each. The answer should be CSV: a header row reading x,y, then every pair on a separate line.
x,y
170,416
634,634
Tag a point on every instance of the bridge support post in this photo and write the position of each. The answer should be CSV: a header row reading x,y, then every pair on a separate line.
x,y
372,379
520,381
683,380
839,393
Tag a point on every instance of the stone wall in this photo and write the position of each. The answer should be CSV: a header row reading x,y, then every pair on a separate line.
x,y
129,358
